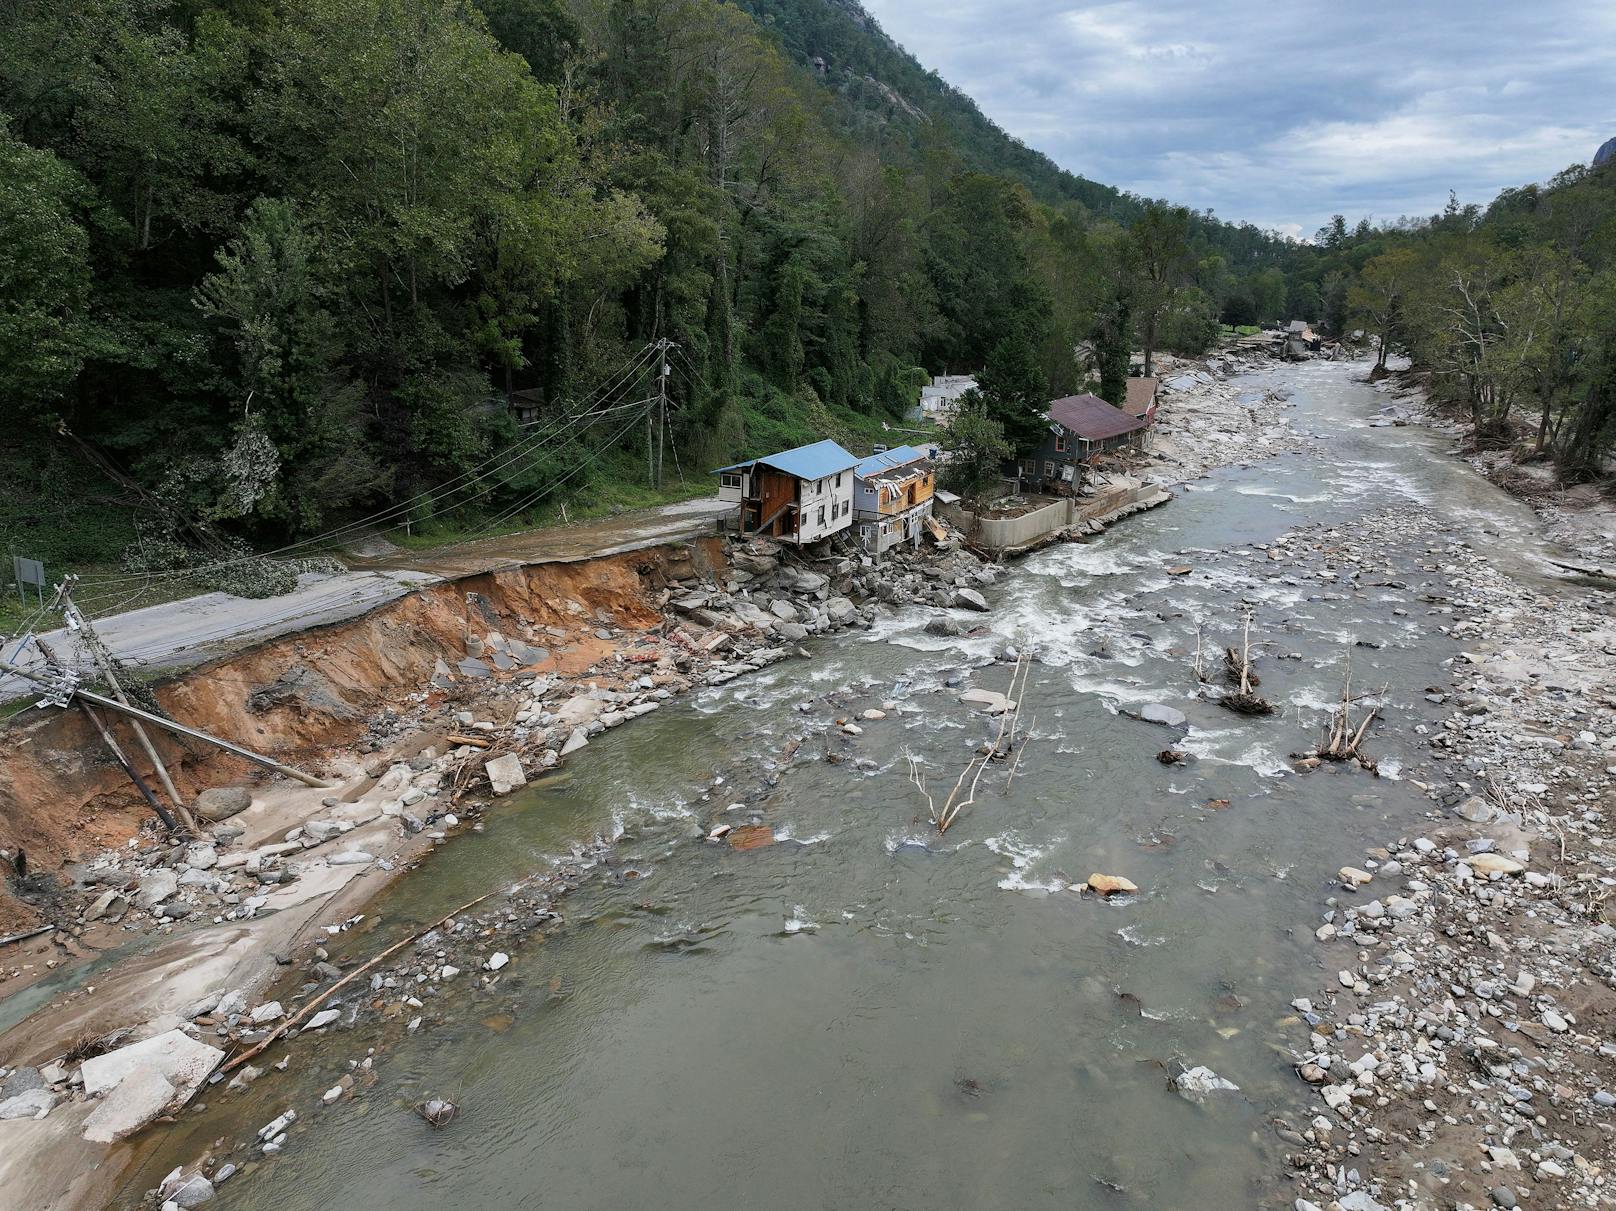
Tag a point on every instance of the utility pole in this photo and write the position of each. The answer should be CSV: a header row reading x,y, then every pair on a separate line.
x,y
663,369
80,625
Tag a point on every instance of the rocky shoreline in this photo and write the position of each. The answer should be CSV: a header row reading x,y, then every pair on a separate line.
x,y
1462,1053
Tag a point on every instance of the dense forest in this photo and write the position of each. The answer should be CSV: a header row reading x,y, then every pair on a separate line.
x,y
275,266
1508,312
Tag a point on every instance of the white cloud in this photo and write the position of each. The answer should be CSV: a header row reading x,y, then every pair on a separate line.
x,y
1252,110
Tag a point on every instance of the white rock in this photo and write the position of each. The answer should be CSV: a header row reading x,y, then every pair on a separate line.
x,y
351,857
497,960
142,1095
322,1019
35,1103
266,1012
277,1125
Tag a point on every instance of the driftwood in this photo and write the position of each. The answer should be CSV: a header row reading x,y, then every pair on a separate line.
x,y
999,750
237,1060
1237,665
1344,736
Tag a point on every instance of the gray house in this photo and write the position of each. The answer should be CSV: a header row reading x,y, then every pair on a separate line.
x,y
1081,428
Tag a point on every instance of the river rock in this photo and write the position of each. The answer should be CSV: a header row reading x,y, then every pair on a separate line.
x,y
322,1019
576,741
193,1192
351,857
221,802
1476,810
991,701
1489,864
1353,877
969,599
201,855
1165,715
156,887
35,1103
1200,1081
1111,885
505,773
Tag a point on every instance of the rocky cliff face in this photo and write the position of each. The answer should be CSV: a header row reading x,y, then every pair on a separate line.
x,y
1606,153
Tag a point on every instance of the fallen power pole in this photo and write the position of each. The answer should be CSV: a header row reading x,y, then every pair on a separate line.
x,y
103,659
158,721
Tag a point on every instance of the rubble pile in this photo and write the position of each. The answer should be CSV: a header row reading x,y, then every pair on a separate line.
x,y
1206,422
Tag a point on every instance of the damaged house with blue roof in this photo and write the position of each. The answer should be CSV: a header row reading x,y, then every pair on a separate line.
x,y
798,496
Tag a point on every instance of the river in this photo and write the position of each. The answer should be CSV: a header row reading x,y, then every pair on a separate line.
x,y
866,1014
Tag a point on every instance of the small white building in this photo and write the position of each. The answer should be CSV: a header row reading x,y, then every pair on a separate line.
x,y
892,498
799,495
941,398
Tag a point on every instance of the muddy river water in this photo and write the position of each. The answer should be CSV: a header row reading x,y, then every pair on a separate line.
x,y
866,1014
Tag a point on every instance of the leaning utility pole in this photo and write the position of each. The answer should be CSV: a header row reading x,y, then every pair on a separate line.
x,y
102,655
59,687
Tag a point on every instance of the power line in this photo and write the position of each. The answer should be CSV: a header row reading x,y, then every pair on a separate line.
x,y
482,471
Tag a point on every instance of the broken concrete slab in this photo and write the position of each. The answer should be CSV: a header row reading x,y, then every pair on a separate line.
x,y
175,1055
142,1095
991,701
505,773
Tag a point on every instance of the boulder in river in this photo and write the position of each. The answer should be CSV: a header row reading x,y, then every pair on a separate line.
x,y
1165,715
991,701
1111,885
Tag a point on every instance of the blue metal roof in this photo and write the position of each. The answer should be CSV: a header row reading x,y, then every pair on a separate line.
x,y
815,461
898,456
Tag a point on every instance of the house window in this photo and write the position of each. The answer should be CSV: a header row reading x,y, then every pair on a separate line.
x,y
821,514
1049,470
729,480
1060,443
1029,468
839,475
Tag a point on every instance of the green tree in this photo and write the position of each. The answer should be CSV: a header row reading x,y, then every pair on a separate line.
x,y
44,280
1013,383
1160,249
977,448
273,295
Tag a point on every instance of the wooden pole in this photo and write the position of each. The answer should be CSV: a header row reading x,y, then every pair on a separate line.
x,y
134,775
113,704
104,663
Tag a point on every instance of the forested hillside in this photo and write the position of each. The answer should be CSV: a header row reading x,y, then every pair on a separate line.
x,y
1510,311
274,266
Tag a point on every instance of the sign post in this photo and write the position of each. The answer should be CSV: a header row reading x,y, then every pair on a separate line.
x,y
28,571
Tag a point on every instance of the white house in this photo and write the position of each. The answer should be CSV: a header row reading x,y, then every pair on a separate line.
x,y
938,401
799,495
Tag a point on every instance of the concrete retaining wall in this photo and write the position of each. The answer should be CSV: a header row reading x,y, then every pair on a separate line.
x,y
1015,533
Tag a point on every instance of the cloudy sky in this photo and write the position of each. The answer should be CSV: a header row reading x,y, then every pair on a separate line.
x,y
1283,114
